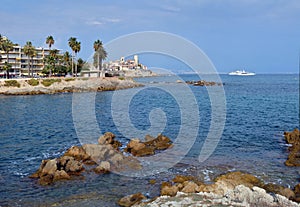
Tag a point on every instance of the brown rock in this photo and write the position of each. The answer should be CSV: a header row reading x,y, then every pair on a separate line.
x,y
179,186
46,180
62,162
189,187
116,159
277,189
61,175
169,190
74,166
107,138
104,167
116,144
39,171
149,138
182,178
203,83
239,178
288,193
128,164
200,188
97,152
297,193
143,152
294,139
135,144
130,200
163,184
49,168
78,153
152,181
138,148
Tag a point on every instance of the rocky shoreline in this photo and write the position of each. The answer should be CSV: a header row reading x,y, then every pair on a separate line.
x,y
229,189
64,85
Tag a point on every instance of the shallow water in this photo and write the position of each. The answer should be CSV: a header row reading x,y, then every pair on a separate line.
x,y
258,110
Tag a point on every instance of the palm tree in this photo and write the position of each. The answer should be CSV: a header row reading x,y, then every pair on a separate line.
x,y
100,54
76,48
53,57
30,52
7,46
66,59
72,41
50,41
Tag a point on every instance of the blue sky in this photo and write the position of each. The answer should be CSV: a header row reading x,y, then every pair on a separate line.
x,y
258,35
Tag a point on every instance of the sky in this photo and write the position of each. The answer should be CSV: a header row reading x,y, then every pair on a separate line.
x,y
257,35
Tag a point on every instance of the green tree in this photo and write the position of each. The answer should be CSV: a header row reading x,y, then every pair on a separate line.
x,y
81,65
72,42
52,60
99,55
30,52
50,41
77,48
6,45
66,58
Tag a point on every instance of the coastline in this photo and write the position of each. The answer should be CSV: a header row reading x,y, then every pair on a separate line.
x,y
64,85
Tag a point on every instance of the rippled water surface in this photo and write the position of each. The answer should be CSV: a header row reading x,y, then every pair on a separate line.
x,y
259,110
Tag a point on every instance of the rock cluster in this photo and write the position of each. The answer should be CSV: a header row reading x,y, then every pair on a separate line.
x,y
203,83
231,189
138,148
57,169
104,157
293,138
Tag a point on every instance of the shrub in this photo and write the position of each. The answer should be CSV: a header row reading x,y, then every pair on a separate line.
x,y
12,83
121,78
49,82
33,82
69,79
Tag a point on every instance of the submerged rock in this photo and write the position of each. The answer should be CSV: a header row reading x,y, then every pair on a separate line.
x,y
203,83
131,200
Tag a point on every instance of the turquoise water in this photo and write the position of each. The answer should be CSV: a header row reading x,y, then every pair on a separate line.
x,y
258,110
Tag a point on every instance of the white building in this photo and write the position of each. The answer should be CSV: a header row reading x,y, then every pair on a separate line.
x,y
125,65
19,61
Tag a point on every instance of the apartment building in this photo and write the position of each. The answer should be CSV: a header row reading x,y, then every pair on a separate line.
x,y
19,61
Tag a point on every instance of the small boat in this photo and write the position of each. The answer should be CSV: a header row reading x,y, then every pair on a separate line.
x,y
241,72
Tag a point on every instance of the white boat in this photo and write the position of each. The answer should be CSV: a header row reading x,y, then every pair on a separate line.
x,y
241,72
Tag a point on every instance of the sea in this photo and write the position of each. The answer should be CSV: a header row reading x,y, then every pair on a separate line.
x,y
249,116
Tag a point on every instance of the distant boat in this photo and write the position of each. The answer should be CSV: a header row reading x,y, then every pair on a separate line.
x,y
241,72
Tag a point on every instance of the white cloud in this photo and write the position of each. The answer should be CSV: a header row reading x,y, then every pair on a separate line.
x,y
103,21
94,22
